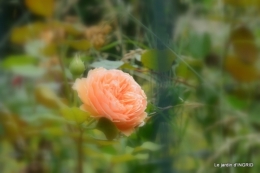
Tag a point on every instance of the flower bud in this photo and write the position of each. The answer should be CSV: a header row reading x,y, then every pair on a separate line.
x,y
76,67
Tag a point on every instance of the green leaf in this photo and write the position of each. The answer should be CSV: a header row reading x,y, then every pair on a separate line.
x,y
147,146
142,156
202,46
129,150
107,64
18,60
98,140
127,66
150,146
123,158
183,71
40,118
158,60
129,157
28,71
237,102
75,114
109,149
87,58
54,131
109,46
107,127
97,134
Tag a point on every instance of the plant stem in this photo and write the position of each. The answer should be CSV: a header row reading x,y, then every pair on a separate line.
x,y
80,152
75,97
61,60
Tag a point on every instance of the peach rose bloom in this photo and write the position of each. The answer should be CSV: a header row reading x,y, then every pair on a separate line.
x,y
114,95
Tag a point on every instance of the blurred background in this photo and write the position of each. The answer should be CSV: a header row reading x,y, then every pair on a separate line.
x,y
197,61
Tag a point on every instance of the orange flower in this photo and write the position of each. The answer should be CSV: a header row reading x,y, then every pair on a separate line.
x,y
115,95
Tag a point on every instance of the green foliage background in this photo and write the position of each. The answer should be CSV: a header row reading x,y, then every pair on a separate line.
x,y
197,61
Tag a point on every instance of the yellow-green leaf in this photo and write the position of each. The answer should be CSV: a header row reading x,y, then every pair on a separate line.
x,y
22,34
49,49
79,44
43,8
183,71
48,98
75,114
240,70
243,3
158,60
243,42
123,158
53,131
127,66
190,163
18,60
